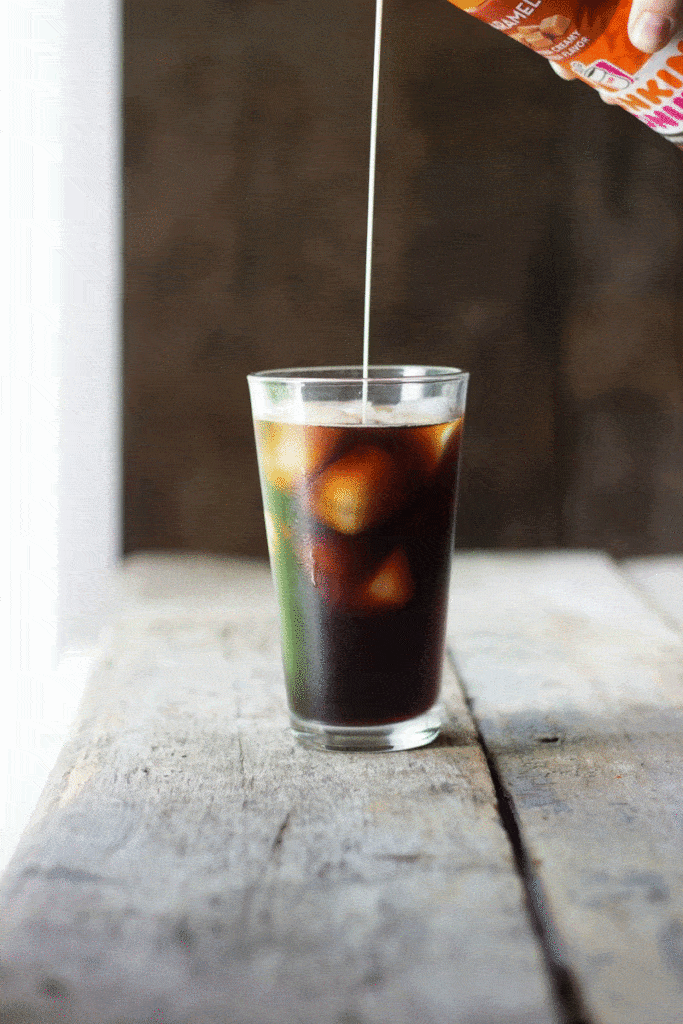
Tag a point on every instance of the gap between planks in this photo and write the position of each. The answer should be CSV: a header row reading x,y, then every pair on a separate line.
x,y
574,681
658,582
566,991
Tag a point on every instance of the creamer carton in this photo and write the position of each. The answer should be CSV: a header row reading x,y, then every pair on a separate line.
x,y
591,40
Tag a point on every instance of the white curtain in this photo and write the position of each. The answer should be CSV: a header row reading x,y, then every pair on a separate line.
x,y
60,227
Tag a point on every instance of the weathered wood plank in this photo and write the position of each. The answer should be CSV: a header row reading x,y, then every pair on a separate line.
x,y
661,580
189,862
577,687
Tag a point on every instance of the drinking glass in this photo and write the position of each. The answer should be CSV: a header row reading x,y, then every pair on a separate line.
x,y
359,482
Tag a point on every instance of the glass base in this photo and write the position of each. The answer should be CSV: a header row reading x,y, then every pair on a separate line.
x,y
415,732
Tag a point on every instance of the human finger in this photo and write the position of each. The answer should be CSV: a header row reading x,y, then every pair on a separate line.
x,y
652,23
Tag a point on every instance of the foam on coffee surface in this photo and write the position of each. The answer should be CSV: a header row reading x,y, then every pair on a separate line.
x,y
421,413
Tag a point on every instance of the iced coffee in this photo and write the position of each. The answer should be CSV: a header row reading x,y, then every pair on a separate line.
x,y
359,499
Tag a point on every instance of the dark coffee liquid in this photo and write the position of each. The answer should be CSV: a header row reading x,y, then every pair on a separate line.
x,y
361,522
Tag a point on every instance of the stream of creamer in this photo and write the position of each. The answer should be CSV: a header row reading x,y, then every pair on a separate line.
x,y
371,199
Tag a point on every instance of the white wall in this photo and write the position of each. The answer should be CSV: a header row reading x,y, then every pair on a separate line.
x,y
59,374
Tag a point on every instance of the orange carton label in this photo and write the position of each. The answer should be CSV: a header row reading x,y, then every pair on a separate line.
x,y
592,42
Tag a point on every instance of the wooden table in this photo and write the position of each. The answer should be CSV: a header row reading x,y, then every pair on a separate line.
x,y
189,863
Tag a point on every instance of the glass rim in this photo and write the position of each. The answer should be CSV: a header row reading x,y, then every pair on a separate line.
x,y
376,374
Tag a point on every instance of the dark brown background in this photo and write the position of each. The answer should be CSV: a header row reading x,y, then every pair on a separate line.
x,y
524,231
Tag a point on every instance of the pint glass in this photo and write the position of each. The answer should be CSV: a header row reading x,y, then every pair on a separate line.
x,y
359,482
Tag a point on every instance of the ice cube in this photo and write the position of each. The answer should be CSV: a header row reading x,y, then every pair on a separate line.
x,y
391,585
330,564
358,490
291,452
435,440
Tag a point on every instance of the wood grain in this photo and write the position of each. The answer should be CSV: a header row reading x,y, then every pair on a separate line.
x,y
577,686
189,862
